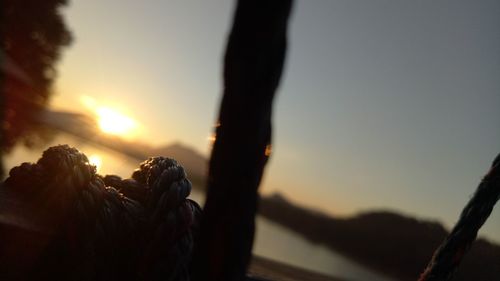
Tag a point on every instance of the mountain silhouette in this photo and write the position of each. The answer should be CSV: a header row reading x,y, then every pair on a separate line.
x,y
397,245
85,127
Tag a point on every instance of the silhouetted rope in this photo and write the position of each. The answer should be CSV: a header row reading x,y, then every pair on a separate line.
x,y
253,64
109,228
449,255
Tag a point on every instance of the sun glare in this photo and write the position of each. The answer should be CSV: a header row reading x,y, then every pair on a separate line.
x,y
113,122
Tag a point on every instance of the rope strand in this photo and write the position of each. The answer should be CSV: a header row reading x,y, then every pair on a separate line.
x,y
448,256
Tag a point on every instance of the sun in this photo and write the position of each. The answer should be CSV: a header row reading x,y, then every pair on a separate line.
x,y
114,122
111,120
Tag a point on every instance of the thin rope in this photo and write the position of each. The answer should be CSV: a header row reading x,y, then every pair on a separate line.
x,y
450,253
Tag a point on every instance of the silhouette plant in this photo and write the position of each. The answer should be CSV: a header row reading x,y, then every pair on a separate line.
x,y
32,33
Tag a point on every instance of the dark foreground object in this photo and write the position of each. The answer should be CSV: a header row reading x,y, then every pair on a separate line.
x,y
252,69
59,220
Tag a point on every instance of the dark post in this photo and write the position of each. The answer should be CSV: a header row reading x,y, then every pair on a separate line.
x,y
252,69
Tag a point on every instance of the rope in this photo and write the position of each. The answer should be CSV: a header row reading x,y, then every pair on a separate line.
x,y
108,228
142,228
448,256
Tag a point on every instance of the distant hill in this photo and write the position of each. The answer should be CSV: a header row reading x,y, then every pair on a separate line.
x,y
397,245
85,127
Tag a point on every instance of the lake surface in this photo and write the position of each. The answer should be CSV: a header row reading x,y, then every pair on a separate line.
x,y
272,240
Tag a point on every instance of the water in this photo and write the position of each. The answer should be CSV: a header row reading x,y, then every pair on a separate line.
x,y
272,240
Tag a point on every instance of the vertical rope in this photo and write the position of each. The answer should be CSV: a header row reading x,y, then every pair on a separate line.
x,y
253,66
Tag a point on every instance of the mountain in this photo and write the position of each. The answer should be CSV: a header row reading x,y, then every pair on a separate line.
x,y
397,245
85,127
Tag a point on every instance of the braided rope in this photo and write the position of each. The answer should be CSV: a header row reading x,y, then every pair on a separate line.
x,y
108,228
142,228
448,256
170,242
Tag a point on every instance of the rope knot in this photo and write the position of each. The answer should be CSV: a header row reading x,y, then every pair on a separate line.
x,y
108,228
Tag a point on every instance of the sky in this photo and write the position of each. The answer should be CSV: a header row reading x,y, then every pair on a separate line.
x,y
384,104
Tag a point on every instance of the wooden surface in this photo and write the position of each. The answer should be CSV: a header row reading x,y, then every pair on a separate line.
x,y
262,269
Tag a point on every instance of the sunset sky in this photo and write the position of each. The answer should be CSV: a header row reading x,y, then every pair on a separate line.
x,y
391,104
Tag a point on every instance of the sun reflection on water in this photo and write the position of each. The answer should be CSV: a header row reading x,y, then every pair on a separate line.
x,y
96,160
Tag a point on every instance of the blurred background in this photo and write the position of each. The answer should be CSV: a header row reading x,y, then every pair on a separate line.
x,y
387,116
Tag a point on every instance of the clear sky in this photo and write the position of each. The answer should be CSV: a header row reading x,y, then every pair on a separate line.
x,y
390,104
